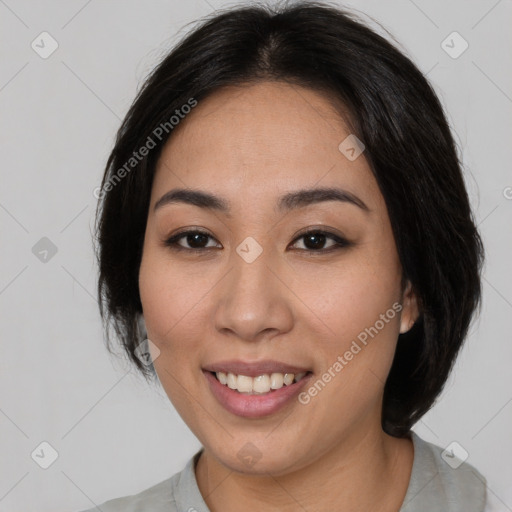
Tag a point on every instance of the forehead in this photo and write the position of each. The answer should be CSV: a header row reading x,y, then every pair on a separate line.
x,y
261,139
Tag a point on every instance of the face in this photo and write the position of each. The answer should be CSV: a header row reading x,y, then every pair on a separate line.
x,y
243,295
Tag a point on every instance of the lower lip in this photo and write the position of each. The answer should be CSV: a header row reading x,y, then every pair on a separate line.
x,y
254,406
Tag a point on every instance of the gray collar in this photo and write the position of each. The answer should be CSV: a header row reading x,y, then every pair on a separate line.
x,y
433,487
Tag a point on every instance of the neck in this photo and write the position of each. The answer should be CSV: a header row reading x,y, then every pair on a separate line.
x,y
368,471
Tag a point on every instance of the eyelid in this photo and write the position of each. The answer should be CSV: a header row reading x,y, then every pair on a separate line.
x,y
340,241
325,230
172,241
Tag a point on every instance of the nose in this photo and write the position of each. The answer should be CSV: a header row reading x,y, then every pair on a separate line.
x,y
253,301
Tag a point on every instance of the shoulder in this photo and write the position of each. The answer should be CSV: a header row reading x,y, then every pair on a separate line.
x,y
157,498
165,496
442,481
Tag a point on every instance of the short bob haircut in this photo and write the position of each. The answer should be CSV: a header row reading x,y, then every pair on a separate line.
x,y
387,103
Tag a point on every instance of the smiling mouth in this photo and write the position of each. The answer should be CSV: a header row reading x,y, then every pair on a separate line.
x,y
261,384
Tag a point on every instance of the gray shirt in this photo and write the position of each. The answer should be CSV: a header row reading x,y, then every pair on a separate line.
x,y
434,486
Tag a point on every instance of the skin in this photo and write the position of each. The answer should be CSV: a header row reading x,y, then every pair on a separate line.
x,y
250,145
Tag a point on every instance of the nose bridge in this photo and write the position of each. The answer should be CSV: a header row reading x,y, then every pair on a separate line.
x,y
251,272
252,298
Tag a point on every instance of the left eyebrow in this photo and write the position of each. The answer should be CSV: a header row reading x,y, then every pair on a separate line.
x,y
289,201
195,198
305,197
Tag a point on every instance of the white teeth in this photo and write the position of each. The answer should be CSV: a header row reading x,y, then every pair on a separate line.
x,y
244,384
288,378
276,380
260,384
231,381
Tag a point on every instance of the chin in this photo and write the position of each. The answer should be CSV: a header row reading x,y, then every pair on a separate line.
x,y
259,458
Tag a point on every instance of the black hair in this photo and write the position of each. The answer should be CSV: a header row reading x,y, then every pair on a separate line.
x,y
408,145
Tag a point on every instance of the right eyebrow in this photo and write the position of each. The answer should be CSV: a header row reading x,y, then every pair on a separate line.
x,y
289,201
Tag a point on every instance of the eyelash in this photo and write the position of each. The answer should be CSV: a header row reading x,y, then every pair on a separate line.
x,y
172,242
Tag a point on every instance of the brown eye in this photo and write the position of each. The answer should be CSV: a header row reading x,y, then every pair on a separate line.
x,y
315,241
196,240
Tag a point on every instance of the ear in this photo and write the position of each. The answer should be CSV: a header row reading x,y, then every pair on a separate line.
x,y
410,311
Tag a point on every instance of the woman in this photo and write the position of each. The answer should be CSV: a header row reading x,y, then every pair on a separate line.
x,y
280,245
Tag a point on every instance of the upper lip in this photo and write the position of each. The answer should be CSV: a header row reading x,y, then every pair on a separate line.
x,y
254,368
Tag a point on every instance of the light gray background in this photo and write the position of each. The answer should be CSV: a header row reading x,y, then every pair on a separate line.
x,y
114,434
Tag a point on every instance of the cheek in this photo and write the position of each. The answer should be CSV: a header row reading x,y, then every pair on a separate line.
x,y
358,305
169,305
169,296
352,296
354,360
